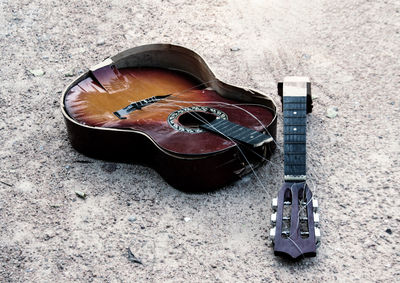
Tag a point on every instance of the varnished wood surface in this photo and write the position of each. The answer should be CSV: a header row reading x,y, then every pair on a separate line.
x,y
93,104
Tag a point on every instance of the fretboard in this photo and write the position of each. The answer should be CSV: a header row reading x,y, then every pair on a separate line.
x,y
294,131
237,132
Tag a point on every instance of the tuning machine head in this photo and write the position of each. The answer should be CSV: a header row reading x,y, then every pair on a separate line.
x,y
316,219
315,204
274,204
272,233
273,218
317,233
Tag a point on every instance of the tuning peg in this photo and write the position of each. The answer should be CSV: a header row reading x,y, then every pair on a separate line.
x,y
273,218
317,234
272,234
274,203
316,219
315,204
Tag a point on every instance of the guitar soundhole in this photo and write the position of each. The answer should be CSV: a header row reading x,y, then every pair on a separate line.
x,y
189,119
287,209
194,119
303,216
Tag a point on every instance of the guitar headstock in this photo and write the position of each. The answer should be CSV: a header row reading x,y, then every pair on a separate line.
x,y
295,233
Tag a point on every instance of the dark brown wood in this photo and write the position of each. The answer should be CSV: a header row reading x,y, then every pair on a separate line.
x,y
298,198
179,160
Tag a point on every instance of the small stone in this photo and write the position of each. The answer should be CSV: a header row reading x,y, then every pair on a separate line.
x,y
389,231
315,97
132,257
100,42
332,112
37,72
132,219
187,219
235,48
80,194
55,205
69,74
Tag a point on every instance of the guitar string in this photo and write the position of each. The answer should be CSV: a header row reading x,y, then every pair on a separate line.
x,y
241,109
302,207
279,147
252,115
227,104
241,152
246,111
298,216
249,113
253,151
237,107
209,102
206,122
262,186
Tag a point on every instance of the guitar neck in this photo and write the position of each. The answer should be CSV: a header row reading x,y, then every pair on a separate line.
x,y
294,232
294,130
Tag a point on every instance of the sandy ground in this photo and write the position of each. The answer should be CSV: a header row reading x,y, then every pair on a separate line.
x,y
349,49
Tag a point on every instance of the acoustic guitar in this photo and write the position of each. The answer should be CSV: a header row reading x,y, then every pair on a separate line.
x,y
162,106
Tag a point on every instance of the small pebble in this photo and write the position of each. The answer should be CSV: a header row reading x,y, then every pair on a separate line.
x,y
80,194
100,42
389,231
332,112
235,48
132,219
55,205
37,72
187,219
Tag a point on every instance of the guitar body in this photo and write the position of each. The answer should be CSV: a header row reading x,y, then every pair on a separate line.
x,y
139,108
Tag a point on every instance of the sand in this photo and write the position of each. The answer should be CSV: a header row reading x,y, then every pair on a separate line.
x,y
349,49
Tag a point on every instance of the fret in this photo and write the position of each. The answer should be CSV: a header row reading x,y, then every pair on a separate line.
x,y
290,148
295,170
294,99
295,138
294,130
294,114
292,121
294,107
